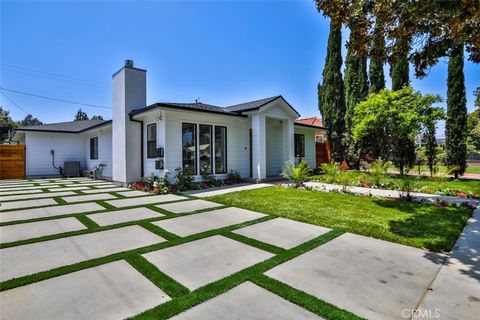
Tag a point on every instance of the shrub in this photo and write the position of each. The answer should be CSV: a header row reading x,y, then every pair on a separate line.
x,y
378,170
233,177
184,180
406,185
332,171
208,178
345,179
299,174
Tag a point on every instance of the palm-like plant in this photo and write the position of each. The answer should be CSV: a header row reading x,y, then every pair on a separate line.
x,y
378,170
299,174
332,170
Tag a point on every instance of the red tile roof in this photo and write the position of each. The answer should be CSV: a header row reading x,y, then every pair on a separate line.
x,y
312,121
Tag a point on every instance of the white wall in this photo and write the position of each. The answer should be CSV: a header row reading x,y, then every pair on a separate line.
x,y
104,135
274,147
310,154
237,139
67,146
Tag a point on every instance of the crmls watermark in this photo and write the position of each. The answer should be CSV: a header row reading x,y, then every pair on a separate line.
x,y
421,314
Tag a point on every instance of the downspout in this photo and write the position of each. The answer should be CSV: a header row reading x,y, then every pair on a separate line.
x,y
141,144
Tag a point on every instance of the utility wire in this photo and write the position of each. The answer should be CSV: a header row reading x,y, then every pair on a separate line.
x,y
13,102
55,99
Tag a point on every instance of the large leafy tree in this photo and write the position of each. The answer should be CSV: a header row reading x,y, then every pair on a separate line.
x,y
6,124
356,90
81,115
331,97
456,124
394,118
29,120
433,26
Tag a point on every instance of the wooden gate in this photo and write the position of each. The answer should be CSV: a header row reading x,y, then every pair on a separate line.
x,y
322,152
12,161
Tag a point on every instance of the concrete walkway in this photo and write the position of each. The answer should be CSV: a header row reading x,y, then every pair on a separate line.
x,y
390,193
455,293
227,189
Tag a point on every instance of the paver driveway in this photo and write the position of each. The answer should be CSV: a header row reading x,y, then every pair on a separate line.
x,y
91,250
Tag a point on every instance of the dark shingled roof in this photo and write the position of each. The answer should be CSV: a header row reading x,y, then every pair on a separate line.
x,y
251,105
235,110
71,126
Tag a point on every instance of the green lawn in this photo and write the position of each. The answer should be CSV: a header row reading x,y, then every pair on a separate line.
x,y
470,169
391,181
413,224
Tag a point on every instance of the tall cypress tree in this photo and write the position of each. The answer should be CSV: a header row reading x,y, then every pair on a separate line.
x,y
399,71
356,90
331,97
456,124
375,72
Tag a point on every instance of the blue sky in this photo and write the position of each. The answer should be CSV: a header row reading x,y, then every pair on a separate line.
x,y
221,52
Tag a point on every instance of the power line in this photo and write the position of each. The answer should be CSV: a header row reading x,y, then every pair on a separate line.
x,y
56,99
13,102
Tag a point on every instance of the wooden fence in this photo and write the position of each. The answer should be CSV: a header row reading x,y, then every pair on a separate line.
x,y
12,161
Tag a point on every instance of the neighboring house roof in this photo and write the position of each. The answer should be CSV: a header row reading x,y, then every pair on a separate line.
x,y
68,127
235,110
313,121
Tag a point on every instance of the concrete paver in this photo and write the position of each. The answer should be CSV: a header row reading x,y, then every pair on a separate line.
x,y
38,195
109,189
283,233
26,204
34,213
89,197
42,256
188,206
120,203
37,229
372,278
125,215
135,193
111,291
197,263
247,301
201,222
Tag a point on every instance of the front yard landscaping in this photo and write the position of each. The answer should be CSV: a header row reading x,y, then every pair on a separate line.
x,y
414,224
448,187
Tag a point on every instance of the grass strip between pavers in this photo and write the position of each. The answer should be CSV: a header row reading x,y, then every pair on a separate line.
x,y
168,285
87,222
211,290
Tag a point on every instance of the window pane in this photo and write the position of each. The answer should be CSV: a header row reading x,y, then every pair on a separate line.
x,y
152,140
220,149
299,145
205,148
189,142
152,132
94,148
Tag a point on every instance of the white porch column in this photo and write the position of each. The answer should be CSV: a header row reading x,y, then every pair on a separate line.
x,y
259,153
288,140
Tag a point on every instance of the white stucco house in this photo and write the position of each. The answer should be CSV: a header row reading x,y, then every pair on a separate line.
x,y
254,138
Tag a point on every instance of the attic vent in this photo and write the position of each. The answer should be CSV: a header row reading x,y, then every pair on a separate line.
x,y
129,63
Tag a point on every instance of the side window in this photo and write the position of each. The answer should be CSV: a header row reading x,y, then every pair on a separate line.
x,y
299,145
94,148
152,140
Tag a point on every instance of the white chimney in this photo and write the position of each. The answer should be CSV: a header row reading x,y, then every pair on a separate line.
x,y
129,92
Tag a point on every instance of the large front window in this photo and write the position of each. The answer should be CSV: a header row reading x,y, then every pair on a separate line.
x,y
205,149
220,150
189,148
